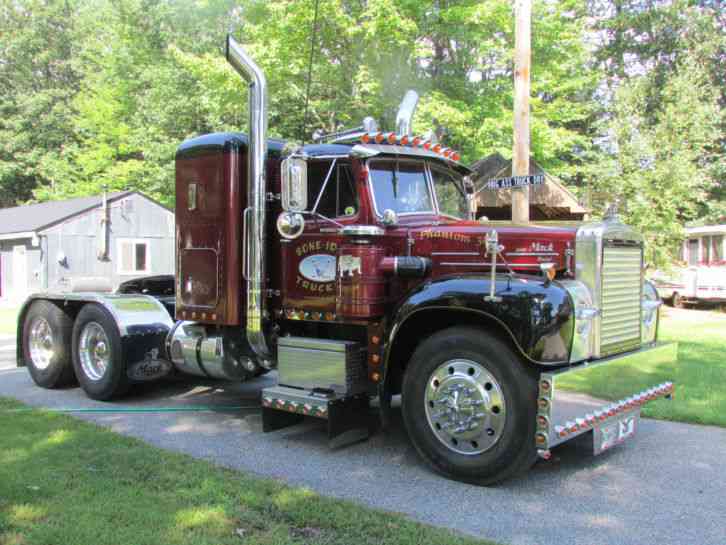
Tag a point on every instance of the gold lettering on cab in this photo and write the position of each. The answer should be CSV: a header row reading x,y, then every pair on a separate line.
x,y
316,270
446,235
316,246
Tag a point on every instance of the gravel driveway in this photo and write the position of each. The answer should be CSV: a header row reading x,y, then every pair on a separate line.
x,y
667,486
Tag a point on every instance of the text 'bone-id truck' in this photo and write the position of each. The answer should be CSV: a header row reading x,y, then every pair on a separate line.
x,y
354,268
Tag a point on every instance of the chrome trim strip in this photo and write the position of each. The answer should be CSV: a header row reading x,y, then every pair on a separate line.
x,y
254,244
499,265
454,253
531,253
362,230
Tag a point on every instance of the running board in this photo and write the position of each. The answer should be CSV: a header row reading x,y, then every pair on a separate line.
x,y
347,418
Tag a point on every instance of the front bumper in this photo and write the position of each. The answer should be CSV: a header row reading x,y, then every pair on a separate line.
x,y
593,395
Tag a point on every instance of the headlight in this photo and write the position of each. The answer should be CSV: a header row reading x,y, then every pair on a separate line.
x,y
649,312
585,315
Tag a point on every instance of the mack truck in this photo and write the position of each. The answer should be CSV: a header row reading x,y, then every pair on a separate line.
x,y
354,268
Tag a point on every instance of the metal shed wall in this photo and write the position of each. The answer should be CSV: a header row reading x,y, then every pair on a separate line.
x,y
79,239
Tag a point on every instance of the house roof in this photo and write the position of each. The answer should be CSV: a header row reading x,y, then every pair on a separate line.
x,y
552,195
34,217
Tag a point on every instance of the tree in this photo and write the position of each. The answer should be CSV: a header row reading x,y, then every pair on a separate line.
x,y
654,167
38,79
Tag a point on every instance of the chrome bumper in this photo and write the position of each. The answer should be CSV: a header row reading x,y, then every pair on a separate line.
x,y
593,395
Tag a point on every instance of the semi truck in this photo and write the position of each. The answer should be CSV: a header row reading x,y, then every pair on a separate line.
x,y
354,268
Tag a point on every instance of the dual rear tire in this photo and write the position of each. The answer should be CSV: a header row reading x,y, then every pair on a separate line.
x,y
58,350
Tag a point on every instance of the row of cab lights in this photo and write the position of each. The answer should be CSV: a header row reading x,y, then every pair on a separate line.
x,y
295,314
584,424
294,407
413,141
194,315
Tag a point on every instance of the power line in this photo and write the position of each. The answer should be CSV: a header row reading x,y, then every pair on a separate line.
x,y
313,36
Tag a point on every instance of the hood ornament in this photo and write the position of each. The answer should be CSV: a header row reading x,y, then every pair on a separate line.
x,y
611,214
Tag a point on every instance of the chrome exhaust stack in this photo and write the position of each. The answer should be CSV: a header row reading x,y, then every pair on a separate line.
x,y
253,269
404,117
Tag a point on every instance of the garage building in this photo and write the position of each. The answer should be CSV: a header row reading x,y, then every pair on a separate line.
x,y
84,243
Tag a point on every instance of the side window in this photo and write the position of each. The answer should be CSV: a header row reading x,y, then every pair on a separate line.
x,y
706,252
450,195
340,198
693,252
717,248
133,256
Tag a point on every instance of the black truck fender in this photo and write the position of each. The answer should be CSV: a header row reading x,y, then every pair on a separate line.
x,y
534,314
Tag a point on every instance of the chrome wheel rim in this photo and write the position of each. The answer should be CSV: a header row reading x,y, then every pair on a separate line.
x,y
42,348
465,406
93,351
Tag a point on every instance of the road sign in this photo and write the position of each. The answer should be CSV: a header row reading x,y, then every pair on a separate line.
x,y
514,181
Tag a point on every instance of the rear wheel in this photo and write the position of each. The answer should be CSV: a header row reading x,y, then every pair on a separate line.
x,y
46,345
97,356
469,406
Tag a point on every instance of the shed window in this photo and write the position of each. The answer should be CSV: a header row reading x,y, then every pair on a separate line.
x,y
717,254
133,256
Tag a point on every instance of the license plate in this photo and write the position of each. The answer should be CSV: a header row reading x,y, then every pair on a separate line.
x,y
614,433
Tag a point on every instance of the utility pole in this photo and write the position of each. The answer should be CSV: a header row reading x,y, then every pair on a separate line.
x,y
522,61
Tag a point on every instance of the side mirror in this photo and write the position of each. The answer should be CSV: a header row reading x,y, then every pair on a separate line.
x,y
294,184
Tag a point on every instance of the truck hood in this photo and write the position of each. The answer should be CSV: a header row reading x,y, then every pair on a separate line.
x,y
462,246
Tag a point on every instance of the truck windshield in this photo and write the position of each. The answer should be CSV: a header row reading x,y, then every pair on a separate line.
x,y
402,186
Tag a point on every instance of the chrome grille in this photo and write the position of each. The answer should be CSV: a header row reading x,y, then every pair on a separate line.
x,y
621,286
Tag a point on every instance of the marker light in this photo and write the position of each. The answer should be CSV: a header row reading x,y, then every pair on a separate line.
x,y
417,140
548,269
427,145
379,138
391,138
404,140
436,148
455,156
365,138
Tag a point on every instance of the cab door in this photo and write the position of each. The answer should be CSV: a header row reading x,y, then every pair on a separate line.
x,y
309,261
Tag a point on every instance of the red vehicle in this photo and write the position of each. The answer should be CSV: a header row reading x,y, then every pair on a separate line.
x,y
354,268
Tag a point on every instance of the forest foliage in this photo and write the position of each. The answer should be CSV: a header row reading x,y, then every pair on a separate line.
x,y
628,96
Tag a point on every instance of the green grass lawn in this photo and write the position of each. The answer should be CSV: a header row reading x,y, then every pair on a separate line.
x,y
64,481
700,375
8,321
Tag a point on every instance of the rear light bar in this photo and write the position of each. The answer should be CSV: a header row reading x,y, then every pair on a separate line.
x,y
414,142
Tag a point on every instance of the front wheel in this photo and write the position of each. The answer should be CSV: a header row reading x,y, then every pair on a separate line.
x,y
469,406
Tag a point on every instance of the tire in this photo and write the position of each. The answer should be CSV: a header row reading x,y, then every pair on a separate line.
x,y
46,345
502,443
97,354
